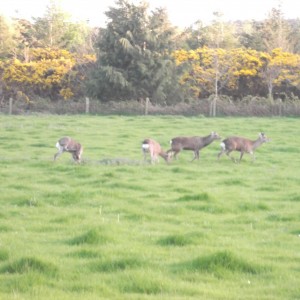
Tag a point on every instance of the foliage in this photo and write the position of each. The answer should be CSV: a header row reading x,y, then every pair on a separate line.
x,y
281,68
56,30
294,35
49,73
134,59
273,32
237,70
7,38
276,32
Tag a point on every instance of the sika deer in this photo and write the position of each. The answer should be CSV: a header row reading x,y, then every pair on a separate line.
x,y
242,145
195,143
154,149
66,144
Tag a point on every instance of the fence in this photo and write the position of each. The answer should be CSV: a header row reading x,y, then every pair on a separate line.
x,y
197,108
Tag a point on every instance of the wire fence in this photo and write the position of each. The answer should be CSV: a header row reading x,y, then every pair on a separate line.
x,y
196,108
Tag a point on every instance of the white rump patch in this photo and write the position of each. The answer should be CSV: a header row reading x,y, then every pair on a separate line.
x,y
59,147
145,146
223,146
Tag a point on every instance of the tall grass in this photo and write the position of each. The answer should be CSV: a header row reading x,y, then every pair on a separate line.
x,y
116,227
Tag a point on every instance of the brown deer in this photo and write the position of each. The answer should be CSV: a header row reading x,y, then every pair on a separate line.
x,y
154,149
242,145
195,143
67,144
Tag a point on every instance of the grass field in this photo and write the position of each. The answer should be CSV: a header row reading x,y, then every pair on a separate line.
x,y
115,227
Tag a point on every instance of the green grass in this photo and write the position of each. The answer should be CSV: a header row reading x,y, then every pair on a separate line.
x,y
116,227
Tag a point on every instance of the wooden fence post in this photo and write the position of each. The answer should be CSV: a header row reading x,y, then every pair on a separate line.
x,y
10,106
87,105
146,106
280,107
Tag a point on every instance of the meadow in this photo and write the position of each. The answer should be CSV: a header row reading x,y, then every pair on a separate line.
x,y
116,227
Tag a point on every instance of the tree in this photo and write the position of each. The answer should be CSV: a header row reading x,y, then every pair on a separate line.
x,y
271,33
7,41
134,55
219,34
276,31
219,69
240,72
251,36
278,68
209,71
55,30
26,38
295,34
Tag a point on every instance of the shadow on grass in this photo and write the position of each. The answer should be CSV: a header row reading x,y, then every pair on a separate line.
x,y
220,264
30,264
92,237
195,197
180,240
117,265
4,255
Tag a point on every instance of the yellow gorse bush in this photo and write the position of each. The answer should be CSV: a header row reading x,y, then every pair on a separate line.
x,y
47,73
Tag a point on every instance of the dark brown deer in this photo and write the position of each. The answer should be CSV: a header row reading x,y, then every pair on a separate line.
x,y
242,145
194,143
154,149
67,144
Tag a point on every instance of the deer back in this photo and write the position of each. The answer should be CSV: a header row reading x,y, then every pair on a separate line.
x,y
70,145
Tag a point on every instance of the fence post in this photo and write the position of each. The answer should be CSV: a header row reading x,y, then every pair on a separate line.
x,y
10,106
280,107
87,105
146,106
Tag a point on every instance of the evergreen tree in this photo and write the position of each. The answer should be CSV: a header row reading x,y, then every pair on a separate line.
x,y
134,60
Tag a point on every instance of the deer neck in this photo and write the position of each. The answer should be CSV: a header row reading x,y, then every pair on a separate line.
x,y
164,155
207,140
257,143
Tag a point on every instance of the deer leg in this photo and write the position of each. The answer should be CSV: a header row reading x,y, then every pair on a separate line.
x,y
253,156
196,155
154,159
59,153
220,154
241,156
175,153
145,155
170,154
232,158
153,156
75,156
56,155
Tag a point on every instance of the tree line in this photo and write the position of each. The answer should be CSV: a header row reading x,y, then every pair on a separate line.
x,y
139,54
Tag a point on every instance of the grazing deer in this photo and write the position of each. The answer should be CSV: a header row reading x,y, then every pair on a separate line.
x,y
195,143
66,144
242,145
154,149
